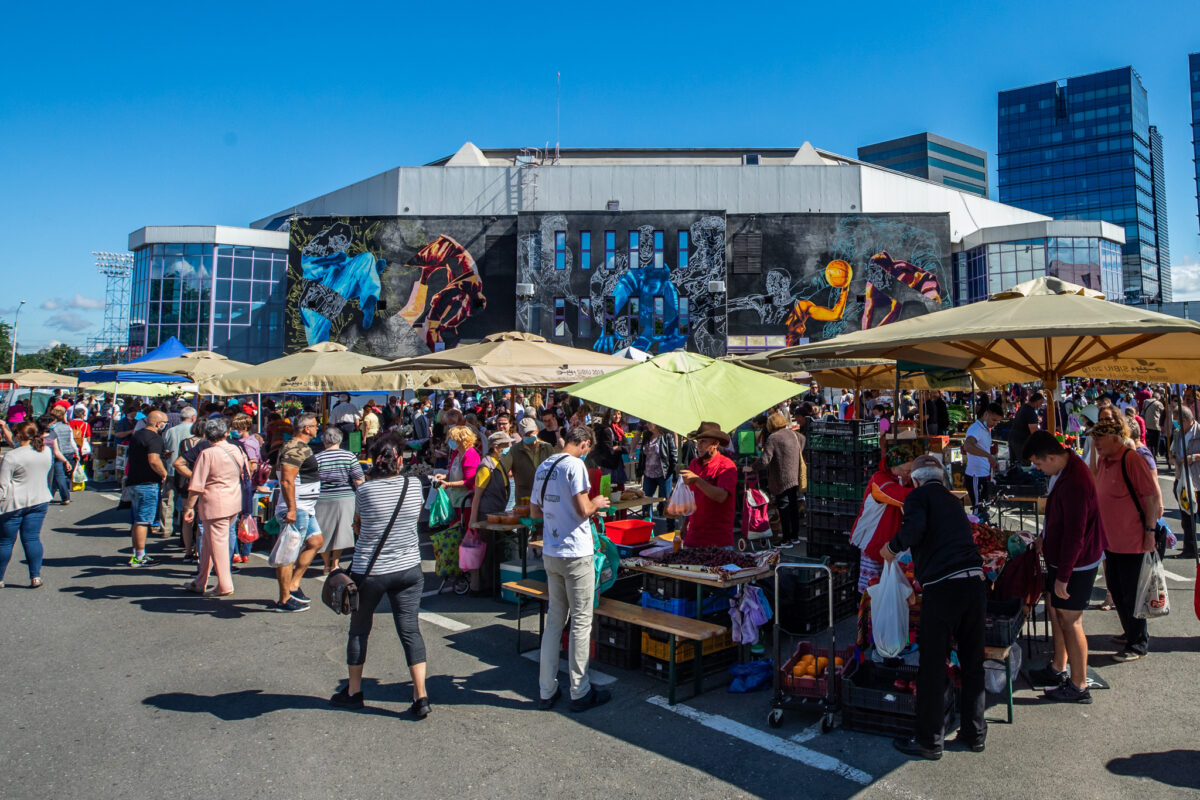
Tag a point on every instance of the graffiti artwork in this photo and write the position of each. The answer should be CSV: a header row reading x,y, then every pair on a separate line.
x,y
387,286
829,274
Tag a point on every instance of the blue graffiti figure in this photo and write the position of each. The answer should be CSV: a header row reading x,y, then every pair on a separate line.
x,y
647,284
343,278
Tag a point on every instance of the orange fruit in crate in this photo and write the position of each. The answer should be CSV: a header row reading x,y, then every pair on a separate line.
x,y
837,662
810,671
798,671
822,664
807,658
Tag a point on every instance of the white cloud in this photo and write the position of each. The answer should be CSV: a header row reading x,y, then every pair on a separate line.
x,y
68,321
77,302
1185,279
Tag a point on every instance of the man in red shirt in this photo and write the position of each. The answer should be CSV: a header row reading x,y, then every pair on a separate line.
x,y
713,478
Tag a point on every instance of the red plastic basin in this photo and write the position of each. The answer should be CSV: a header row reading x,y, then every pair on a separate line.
x,y
629,531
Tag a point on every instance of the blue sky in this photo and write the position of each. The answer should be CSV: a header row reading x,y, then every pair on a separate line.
x,y
117,116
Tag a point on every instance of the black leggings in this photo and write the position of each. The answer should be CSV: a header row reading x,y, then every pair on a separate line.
x,y
789,513
403,590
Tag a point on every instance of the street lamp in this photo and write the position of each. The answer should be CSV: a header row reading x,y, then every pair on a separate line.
x,y
12,363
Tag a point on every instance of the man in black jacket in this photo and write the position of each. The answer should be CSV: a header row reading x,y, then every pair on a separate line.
x,y
953,605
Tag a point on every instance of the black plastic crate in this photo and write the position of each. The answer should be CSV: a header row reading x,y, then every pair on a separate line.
x,y
804,616
831,522
881,723
835,537
627,588
869,686
685,670
835,552
1002,624
833,505
615,633
660,588
839,474
858,459
851,428
619,656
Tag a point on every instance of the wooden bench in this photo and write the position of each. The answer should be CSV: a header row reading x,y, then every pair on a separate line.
x,y
1002,654
676,627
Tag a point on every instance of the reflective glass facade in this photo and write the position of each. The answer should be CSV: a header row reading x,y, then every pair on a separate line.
x,y
987,269
938,161
213,297
1080,149
1194,73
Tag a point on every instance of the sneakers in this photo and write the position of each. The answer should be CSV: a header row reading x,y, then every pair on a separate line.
x,y
547,703
596,697
1047,676
291,606
301,596
421,708
344,699
912,747
1120,639
237,559
1068,693
145,561
1128,655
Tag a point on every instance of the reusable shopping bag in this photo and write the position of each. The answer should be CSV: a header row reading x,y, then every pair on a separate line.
x,y
471,551
1152,600
287,547
441,510
605,560
889,610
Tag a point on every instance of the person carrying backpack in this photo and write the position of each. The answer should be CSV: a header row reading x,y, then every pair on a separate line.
x,y
560,499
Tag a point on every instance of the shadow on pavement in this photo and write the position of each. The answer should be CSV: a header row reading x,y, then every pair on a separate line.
x,y
1174,767
243,705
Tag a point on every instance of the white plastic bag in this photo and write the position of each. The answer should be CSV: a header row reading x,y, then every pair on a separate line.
x,y
889,610
993,678
287,547
79,475
682,502
1152,600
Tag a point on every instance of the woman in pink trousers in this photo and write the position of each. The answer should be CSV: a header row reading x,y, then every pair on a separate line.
x,y
216,488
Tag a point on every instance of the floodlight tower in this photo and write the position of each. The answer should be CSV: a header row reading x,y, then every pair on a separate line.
x,y
117,269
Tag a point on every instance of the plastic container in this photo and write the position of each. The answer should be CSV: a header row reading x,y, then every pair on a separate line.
x,y
814,687
629,531
511,571
711,665
683,607
1002,624
657,645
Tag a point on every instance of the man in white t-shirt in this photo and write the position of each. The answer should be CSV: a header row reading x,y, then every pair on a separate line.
x,y
344,416
978,449
560,499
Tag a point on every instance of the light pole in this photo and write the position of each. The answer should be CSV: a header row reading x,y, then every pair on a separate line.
x,y
12,363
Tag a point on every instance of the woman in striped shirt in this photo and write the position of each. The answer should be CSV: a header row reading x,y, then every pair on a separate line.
x,y
341,475
396,570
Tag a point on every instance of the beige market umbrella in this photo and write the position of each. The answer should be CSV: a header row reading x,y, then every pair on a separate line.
x,y
505,359
28,378
1045,329
323,367
138,389
195,366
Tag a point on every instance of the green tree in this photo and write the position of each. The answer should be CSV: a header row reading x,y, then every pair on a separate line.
x,y
5,345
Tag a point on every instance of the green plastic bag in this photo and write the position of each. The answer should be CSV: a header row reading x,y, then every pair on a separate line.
x,y
606,561
441,510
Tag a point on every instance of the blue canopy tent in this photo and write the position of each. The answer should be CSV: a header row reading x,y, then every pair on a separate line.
x,y
171,348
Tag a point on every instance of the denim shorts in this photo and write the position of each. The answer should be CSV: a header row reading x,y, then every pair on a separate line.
x,y
306,524
143,499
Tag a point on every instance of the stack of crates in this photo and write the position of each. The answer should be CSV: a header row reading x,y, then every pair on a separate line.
x,y
804,600
618,644
842,456
679,597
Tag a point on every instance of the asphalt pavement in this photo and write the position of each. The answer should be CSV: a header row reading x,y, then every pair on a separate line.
x,y
121,685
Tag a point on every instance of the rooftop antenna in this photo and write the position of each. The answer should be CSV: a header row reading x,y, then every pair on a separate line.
x,y
557,113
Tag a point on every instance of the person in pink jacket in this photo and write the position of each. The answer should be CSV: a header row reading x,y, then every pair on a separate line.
x,y
216,489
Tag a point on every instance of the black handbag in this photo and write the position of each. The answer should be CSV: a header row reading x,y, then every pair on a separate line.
x,y
340,590
1160,530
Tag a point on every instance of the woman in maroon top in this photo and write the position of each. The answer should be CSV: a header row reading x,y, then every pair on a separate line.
x,y
1073,546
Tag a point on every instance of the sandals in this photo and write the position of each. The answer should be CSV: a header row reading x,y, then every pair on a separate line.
x,y
193,588
34,583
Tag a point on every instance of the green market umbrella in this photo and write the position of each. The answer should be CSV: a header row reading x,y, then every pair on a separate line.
x,y
679,390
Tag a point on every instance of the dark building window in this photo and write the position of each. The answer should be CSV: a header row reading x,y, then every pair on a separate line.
x,y
610,312
585,250
683,249
584,328
658,316
610,249
634,242
747,253
658,250
635,317
560,249
560,316
683,316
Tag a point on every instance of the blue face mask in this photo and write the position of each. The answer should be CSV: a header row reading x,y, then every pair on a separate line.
x,y
453,445
235,434
504,452
529,439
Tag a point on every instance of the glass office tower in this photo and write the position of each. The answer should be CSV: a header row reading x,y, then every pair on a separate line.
x,y
1194,71
212,295
934,158
1080,149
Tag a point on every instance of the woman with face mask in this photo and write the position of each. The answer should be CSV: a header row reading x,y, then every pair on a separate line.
x,y
490,497
459,478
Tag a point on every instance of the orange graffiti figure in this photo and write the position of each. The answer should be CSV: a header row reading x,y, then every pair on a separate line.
x,y
838,275
452,305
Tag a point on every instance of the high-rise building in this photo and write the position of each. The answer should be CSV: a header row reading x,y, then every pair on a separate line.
x,y
1158,178
1080,149
1194,69
934,158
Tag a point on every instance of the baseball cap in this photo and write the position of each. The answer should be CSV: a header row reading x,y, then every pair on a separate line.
x,y
526,425
499,439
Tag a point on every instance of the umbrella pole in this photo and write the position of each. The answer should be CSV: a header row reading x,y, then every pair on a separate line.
x,y
895,429
1050,382
258,407
1187,473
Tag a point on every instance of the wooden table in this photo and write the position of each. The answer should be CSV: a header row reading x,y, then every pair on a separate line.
x,y
701,583
638,502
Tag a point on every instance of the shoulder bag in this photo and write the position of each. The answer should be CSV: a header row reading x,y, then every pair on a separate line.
x,y
1160,530
340,590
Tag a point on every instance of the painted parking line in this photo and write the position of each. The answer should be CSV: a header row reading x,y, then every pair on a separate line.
x,y
595,676
444,622
114,497
774,744
1175,577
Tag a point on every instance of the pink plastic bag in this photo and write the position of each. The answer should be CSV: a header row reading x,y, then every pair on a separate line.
x,y
471,551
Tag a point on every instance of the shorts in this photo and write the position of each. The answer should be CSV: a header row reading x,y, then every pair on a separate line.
x,y
306,524
1079,589
143,499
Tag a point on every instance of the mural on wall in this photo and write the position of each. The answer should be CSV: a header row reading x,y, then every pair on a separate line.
x,y
827,274
612,280
390,286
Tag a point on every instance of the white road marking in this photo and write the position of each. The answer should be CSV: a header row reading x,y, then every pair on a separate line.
x,y
113,497
263,556
444,622
808,734
594,675
1175,577
774,744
